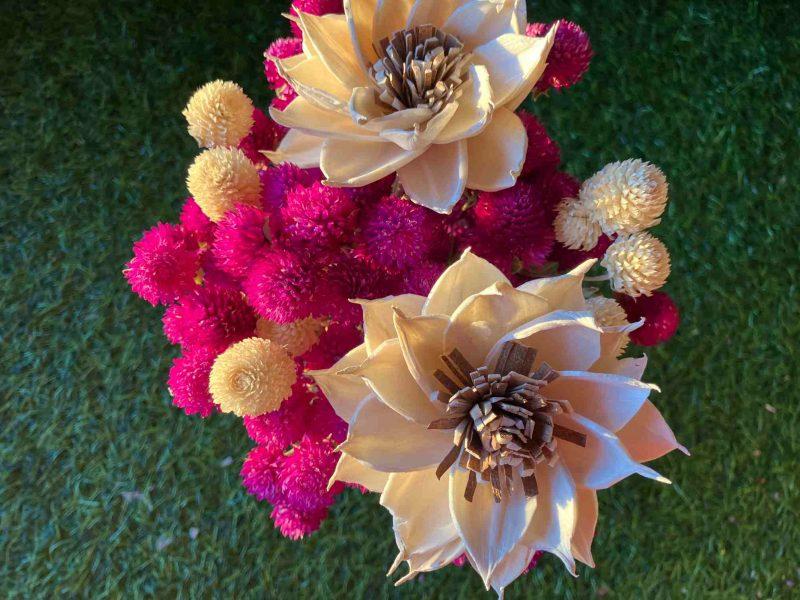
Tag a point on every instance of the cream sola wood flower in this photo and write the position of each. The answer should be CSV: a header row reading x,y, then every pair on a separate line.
x,y
487,416
424,88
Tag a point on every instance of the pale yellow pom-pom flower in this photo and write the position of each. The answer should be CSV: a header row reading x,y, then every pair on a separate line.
x,y
607,312
637,264
297,337
252,377
219,178
627,196
219,114
576,226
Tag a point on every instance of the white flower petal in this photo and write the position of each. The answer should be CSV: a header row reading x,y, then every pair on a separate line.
x,y
388,442
297,148
422,136
390,16
469,275
379,316
419,504
489,529
351,470
608,400
647,436
497,153
359,15
511,567
526,87
603,461
436,179
329,37
386,374
301,115
478,21
434,12
475,108
312,80
354,163
483,318
344,392
431,560
513,61
564,292
422,341
585,525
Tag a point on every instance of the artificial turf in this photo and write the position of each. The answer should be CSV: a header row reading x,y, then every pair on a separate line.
x,y
106,490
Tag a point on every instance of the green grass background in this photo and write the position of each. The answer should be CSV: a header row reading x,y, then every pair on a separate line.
x,y
93,150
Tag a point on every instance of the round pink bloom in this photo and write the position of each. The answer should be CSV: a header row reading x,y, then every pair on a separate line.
x,y
280,48
555,186
420,279
318,216
279,429
280,103
336,341
260,474
194,220
240,239
323,421
212,316
295,524
314,7
278,180
164,264
188,382
397,233
543,153
265,134
568,59
305,472
567,259
372,191
660,313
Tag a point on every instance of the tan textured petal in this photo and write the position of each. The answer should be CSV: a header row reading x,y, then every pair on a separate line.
x,y
329,37
647,436
305,117
351,470
297,148
379,316
350,163
479,21
482,319
435,12
608,400
422,341
469,275
513,60
497,154
390,16
564,292
359,15
603,461
388,442
386,374
489,529
475,109
526,87
437,179
344,392
585,525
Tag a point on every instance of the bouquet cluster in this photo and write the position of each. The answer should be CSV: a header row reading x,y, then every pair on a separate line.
x,y
364,183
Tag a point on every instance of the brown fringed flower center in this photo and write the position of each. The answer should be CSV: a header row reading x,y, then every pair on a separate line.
x,y
420,67
502,422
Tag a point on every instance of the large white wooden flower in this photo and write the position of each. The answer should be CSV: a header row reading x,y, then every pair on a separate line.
x,y
424,88
493,463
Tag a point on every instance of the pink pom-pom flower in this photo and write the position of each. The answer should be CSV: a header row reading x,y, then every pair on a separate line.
x,y
543,153
314,7
280,48
260,474
660,313
568,259
279,429
569,57
305,472
265,134
188,382
241,239
277,181
195,221
318,217
164,265
295,524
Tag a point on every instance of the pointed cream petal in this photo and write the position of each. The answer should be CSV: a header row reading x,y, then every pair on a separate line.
x,y
417,137
603,461
480,21
526,87
359,15
364,106
312,80
379,316
567,341
386,374
513,60
489,529
496,155
354,163
436,180
469,275
556,514
434,12
563,291
585,525
344,392
475,109
608,400
351,470
301,115
390,16
422,341
431,560
419,504
329,37
482,319
647,436
388,442
297,148
511,567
